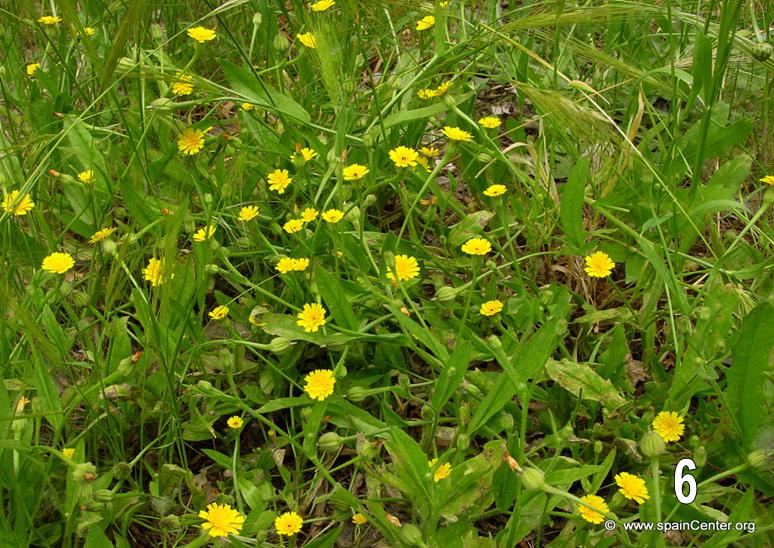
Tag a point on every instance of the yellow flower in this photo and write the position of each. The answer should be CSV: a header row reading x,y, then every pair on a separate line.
x,y
404,156
279,179
632,487
247,106
599,265
68,452
442,472
493,191
669,425
219,312
183,85
311,318
293,226
332,216
490,122
89,31
427,93
598,503
285,265
221,520
102,234
204,233
442,88
201,34
307,39
235,422
430,152
17,205
288,524
154,272
248,213
308,154
87,177
422,161
456,134
322,5
32,68
359,519
426,22
490,308
768,179
301,264
50,20
319,384
191,141
354,172
477,246
58,263
406,268
309,214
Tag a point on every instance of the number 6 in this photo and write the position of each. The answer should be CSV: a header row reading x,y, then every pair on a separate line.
x,y
681,479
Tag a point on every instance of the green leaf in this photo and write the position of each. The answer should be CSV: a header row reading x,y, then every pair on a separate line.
x,y
407,116
335,298
571,213
451,375
410,466
582,381
469,227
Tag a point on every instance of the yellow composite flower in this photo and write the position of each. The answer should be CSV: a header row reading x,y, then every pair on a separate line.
x,y
58,263
322,5
490,122
442,88
17,204
477,246
191,141
201,34
68,452
456,134
599,264
632,487
89,31
427,93
285,265
598,503
288,524
332,216
768,179
311,318
293,226
359,519
354,172
248,213
219,312
299,265
404,156
426,22
154,272
669,425
87,177
221,520
32,68
319,384
308,154
309,214
204,233
101,234
307,39
442,472
279,179
430,152
183,85
50,20
406,268
490,308
493,191
247,106
235,422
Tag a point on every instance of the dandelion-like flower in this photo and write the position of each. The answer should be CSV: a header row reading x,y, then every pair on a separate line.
x,y
221,520
632,487
312,317
235,422
332,216
493,191
354,172
87,177
404,156
58,263
427,93
599,264
247,107
191,141
201,34
50,20
308,154
219,312
68,452
101,234
319,384
426,22
288,524
32,68
768,179
279,179
430,152
299,265
359,519
309,214
307,39
17,204
154,272
285,265
490,308
204,233
248,213
322,5
477,246
669,425
89,31
183,85
406,268
442,472
592,516
490,122
293,226
456,134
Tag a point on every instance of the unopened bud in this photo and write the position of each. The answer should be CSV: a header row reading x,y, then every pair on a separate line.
x,y
394,520
446,293
652,445
411,535
280,345
533,479
463,441
757,459
512,463
365,447
85,472
357,393
330,442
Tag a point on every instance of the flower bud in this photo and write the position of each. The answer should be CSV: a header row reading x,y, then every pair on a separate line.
x,y
330,442
365,447
280,42
211,268
162,104
110,247
757,459
85,472
121,470
103,495
463,441
449,100
446,293
357,393
404,382
761,51
533,479
411,535
257,19
700,456
280,345
394,520
652,445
